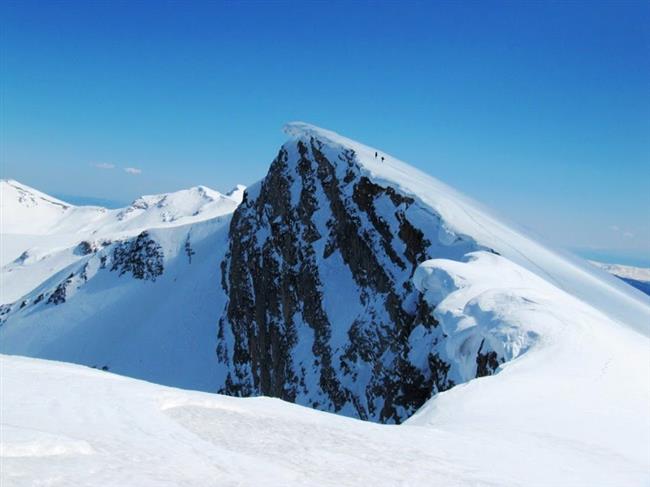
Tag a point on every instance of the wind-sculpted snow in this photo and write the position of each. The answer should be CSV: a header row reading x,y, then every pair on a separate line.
x,y
567,372
488,318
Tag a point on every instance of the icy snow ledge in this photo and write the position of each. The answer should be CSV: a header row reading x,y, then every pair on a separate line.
x,y
490,305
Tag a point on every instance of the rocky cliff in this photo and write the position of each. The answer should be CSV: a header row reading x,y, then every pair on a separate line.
x,y
321,308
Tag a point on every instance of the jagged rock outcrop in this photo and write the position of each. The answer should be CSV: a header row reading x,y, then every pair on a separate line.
x,y
142,257
321,306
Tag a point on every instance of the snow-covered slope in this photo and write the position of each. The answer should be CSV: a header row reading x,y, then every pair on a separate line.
x,y
143,306
70,425
638,277
40,234
313,294
570,374
25,210
321,308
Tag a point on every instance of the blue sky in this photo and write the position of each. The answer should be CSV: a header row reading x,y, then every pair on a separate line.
x,y
541,111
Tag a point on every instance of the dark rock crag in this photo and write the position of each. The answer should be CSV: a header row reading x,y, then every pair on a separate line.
x,y
321,307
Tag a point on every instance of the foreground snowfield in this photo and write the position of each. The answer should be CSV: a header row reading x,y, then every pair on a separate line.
x,y
70,425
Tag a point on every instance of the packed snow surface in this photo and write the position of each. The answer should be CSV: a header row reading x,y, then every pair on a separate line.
x,y
71,425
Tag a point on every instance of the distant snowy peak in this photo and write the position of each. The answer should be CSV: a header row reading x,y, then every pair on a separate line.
x,y
199,201
41,235
27,196
27,210
625,271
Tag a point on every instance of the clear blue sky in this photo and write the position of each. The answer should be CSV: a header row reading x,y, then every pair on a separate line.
x,y
541,111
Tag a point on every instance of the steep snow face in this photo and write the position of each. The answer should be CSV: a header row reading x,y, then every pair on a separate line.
x,y
144,306
134,290
66,425
41,235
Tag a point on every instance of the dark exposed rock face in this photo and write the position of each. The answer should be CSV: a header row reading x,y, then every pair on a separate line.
x,y
85,247
59,294
321,307
487,362
142,257
188,249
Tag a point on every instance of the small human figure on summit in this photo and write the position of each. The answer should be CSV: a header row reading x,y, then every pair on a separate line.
x,y
375,155
382,158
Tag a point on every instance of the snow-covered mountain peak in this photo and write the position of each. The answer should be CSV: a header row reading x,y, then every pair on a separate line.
x,y
26,210
28,196
183,204
465,217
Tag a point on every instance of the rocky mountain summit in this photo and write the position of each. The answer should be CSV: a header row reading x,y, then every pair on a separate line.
x,y
321,308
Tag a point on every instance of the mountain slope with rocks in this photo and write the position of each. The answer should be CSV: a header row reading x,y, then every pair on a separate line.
x,y
321,307
346,281
42,235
